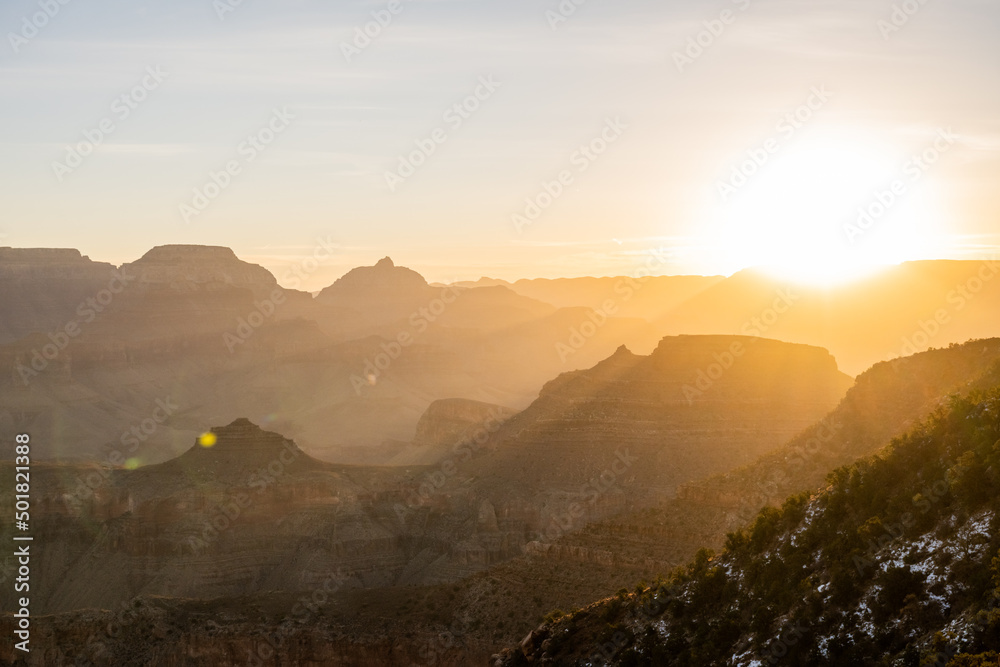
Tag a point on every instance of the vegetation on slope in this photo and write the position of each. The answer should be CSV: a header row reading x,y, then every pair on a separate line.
x,y
895,563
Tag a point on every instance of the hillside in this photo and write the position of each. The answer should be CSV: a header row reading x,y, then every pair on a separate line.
x,y
894,563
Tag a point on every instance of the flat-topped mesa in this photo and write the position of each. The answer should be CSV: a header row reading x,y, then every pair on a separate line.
x,y
50,262
743,354
190,266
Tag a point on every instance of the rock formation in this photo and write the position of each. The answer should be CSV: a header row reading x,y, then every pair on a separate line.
x,y
644,425
189,267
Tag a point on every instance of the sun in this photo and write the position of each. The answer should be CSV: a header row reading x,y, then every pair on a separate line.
x,y
826,210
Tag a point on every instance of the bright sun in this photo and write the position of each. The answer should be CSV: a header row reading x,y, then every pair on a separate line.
x,y
799,216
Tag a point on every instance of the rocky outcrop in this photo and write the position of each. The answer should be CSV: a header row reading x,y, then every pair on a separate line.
x,y
194,324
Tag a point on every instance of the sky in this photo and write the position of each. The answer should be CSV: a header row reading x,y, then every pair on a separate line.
x,y
720,135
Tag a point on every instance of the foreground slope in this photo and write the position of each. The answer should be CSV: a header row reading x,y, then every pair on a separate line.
x,y
894,563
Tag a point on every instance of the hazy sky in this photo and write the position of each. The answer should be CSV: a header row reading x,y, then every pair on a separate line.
x,y
675,129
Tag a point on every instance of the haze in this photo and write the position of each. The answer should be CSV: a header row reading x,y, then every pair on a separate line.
x,y
657,185
450,332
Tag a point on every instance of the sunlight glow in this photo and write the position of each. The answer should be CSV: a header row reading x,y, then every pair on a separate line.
x,y
824,212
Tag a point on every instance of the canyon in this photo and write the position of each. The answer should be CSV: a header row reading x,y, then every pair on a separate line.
x,y
444,466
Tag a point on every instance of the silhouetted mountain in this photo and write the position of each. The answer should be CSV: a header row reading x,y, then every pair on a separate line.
x,y
217,336
696,405
643,296
237,452
386,299
191,267
385,280
902,310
